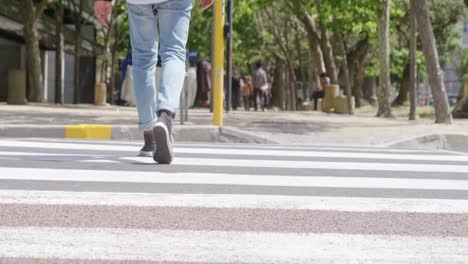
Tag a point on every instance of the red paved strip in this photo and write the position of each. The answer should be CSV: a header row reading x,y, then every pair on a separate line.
x,y
255,220
79,261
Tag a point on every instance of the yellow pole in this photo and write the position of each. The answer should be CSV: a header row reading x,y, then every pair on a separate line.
x,y
218,62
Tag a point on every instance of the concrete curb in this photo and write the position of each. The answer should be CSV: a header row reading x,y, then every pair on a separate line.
x,y
449,141
44,131
182,133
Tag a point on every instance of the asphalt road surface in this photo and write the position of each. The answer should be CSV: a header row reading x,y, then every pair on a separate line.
x,y
71,201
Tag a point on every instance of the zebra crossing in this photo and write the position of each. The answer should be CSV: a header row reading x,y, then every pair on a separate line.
x,y
73,201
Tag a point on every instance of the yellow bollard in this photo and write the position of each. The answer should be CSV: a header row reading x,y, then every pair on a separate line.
x,y
16,87
218,62
100,94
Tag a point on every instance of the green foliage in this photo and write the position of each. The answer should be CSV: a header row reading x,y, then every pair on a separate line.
x,y
247,41
460,62
350,17
445,16
201,27
355,20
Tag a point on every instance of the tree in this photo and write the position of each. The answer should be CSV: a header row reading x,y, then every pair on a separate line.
x,y
434,71
59,51
352,23
384,58
327,49
280,27
341,44
445,16
31,12
78,8
413,62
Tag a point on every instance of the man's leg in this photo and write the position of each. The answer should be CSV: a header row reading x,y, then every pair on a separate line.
x,y
174,21
265,100
144,39
256,98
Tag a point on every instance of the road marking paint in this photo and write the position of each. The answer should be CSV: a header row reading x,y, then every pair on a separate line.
x,y
348,204
227,179
222,246
252,152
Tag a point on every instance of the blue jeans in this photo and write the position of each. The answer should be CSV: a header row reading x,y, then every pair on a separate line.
x,y
171,38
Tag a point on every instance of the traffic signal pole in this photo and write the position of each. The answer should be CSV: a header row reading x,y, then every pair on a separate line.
x,y
218,62
229,56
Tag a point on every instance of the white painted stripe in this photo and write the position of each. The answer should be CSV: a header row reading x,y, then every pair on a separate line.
x,y
339,147
236,151
227,179
56,157
317,154
320,165
248,163
77,141
344,204
226,247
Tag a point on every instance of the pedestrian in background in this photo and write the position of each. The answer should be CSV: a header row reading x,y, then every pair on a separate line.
x,y
259,82
320,92
237,83
203,82
247,91
156,27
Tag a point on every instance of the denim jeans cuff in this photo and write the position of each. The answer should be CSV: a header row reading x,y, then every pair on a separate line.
x,y
147,126
167,108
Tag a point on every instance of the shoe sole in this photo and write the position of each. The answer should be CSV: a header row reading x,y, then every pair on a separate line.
x,y
163,153
145,154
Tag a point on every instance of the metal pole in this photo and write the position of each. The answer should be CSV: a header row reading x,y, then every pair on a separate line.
x,y
218,62
229,56
181,108
413,63
183,102
186,92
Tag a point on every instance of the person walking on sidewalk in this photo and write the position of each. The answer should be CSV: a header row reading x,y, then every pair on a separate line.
x,y
259,82
156,27
237,83
247,91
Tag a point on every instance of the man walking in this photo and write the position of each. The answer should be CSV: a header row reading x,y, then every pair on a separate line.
x,y
156,27
260,81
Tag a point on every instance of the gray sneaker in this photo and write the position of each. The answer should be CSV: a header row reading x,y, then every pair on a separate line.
x,y
162,132
149,147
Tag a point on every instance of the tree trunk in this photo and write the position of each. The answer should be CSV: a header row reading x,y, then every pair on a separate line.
x,y
278,85
328,56
292,85
315,52
302,67
405,87
327,50
358,59
384,56
413,63
359,79
346,74
59,53
113,62
30,15
434,71
77,83
78,23
104,64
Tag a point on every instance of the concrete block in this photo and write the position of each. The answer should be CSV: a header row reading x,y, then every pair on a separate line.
x,y
328,102
341,104
100,94
16,87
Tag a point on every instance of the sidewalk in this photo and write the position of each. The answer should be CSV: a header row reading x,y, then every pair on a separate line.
x,y
301,128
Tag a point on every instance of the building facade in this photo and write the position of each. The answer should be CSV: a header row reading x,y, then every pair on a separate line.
x,y
13,51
